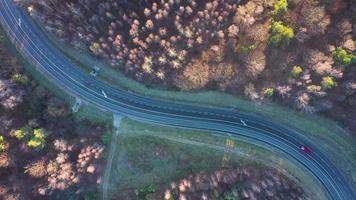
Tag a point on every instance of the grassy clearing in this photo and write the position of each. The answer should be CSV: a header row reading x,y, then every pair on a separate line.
x,y
153,155
326,133
92,113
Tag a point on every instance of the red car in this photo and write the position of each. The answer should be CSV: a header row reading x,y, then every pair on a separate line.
x,y
306,150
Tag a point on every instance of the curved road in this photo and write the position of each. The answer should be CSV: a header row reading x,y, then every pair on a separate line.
x,y
53,64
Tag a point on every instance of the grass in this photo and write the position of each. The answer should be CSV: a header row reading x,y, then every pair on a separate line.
x,y
154,155
326,133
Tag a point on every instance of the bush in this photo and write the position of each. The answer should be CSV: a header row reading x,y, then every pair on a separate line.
x,y
328,83
296,71
21,133
229,196
20,78
246,49
280,8
141,192
3,145
38,139
280,34
151,189
268,92
341,57
94,47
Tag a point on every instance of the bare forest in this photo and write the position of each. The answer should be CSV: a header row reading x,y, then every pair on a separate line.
x,y
300,53
44,152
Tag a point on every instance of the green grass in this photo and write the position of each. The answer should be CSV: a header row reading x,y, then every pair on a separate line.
x,y
94,114
154,155
326,133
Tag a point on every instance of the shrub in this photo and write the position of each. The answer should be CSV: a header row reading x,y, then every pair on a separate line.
x,y
94,47
143,191
280,8
20,78
248,48
268,92
151,189
341,57
3,145
296,71
280,34
38,139
328,82
21,133
229,196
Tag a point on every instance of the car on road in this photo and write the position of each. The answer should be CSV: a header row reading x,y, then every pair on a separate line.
x,y
306,150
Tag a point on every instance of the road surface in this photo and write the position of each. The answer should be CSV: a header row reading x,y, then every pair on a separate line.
x,y
49,61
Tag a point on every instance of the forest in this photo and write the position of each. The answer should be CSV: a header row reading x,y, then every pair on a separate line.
x,y
300,53
44,152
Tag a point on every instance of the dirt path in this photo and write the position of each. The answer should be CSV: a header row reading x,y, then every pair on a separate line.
x,y
112,151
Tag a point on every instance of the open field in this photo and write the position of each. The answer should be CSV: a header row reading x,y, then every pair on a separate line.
x,y
154,155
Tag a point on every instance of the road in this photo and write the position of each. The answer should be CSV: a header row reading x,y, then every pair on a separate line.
x,y
50,62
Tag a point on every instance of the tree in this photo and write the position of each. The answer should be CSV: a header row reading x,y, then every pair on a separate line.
x,y
328,83
94,47
57,108
21,133
36,169
314,18
10,96
341,57
268,92
280,8
20,78
38,139
3,144
194,76
223,74
280,34
296,71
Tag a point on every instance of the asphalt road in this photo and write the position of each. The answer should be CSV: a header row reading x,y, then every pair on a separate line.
x,y
49,61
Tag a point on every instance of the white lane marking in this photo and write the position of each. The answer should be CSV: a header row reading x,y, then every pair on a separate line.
x,y
104,94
